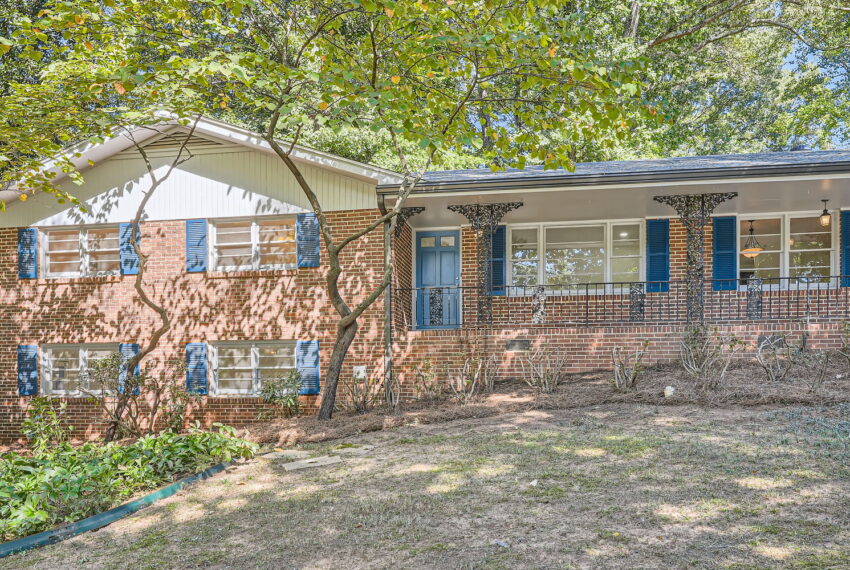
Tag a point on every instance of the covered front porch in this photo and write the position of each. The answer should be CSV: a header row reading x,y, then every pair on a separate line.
x,y
731,250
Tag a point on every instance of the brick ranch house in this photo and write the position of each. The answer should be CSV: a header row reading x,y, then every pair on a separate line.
x,y
614,253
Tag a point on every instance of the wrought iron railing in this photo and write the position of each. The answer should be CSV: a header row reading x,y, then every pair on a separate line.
x,y
786,298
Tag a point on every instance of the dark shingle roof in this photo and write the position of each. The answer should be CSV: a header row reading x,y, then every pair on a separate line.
x,y
710,166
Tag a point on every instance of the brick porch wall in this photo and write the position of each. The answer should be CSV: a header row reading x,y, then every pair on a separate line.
x,y
587,348
205,307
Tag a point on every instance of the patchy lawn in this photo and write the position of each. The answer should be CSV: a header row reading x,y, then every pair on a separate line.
x,y
613,486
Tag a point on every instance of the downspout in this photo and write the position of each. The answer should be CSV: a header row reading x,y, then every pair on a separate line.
x,y
388,306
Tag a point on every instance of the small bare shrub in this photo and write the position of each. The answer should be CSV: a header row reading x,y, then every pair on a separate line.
x,y
543,369
627,367
363,394
475,373
845,341
772,354
137,404
426,385
813,363
707,358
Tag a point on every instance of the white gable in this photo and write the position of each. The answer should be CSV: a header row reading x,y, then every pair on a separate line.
x,y
223,178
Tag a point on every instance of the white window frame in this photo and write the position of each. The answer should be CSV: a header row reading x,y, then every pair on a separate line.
x,y
255,244
212,356
46,384
82,238
785,253
541,255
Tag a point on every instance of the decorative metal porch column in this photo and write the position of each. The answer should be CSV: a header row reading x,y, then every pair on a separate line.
x,y
695,212
484,218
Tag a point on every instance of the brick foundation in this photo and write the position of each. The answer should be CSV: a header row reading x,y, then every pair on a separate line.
x,y
587,348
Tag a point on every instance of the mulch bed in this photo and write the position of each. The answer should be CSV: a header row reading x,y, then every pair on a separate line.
x,y
744,385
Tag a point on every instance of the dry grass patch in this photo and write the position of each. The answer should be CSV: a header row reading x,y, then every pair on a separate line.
x,y
609,487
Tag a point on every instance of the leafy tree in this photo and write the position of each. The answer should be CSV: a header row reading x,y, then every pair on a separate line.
x,y
737,76
447,78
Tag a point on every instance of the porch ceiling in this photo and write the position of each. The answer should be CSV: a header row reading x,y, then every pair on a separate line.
x,y
599,203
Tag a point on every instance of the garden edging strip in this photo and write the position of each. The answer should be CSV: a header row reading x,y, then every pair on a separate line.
x,y
100,520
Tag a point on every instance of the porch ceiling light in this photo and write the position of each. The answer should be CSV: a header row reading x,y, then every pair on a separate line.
x,y
751,247
825,217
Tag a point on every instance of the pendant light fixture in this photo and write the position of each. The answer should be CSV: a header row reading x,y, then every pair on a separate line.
x,y
825,217
751,247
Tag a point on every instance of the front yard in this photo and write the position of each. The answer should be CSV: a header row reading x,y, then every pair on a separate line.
x,y
612,486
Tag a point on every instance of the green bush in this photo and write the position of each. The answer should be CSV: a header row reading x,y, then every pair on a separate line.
x,y
282,394
43,424
62,484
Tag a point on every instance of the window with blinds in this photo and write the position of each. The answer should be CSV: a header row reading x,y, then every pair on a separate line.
x,y
82,251
254,244
241,367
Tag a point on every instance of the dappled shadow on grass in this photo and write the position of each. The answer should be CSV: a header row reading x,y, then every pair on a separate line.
x,y
562,489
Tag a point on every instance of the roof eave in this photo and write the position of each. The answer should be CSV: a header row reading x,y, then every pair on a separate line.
x,y
647,177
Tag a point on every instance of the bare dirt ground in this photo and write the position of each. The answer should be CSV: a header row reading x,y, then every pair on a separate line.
x,y
616,485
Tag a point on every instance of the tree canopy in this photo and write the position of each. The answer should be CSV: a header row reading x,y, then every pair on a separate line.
x,y
728,75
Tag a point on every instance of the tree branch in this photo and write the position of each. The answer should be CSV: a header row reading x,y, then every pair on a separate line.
x,y
674,35
156,182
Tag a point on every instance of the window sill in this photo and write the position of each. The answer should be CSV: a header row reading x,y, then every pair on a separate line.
x,y
250,273
232,396
67,396
62,279
624,292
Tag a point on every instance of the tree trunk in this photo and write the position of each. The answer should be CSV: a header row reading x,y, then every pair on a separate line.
x,y
344,338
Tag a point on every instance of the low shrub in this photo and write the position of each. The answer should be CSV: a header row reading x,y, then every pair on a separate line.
x,y
426,384
62,484
628,367
544,369
43,425
707,357
774,356
476,372
282,395
141,403
363,394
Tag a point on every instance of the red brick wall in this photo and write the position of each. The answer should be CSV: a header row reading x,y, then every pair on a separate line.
x,y
587,348
205,307
292,304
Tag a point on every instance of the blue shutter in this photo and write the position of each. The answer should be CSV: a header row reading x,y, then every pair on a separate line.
x,y
498,260
196,246
845,249
658,255
27,370
27,253
127,352
307,355
725,258
129,259
196,368
307,239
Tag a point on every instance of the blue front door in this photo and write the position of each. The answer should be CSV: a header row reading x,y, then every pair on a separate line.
x,y
437,279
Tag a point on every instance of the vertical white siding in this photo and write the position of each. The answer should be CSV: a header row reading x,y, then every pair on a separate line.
x,y
211,184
